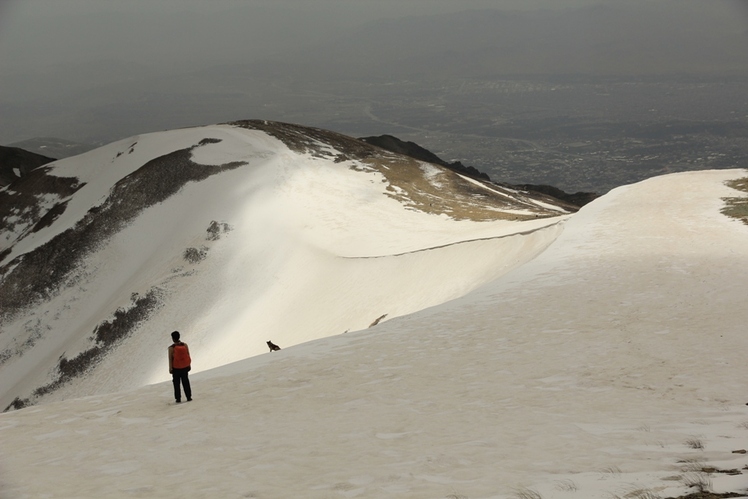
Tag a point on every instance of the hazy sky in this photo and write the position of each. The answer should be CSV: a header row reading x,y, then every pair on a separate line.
x,y
176,32
195,33
71,68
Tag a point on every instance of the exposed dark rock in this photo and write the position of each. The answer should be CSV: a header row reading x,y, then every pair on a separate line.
x,y
22,204
195,255
49,218
314,141
18,403
377,320
577,199
411,149
390,143
16,163
216,229
709,495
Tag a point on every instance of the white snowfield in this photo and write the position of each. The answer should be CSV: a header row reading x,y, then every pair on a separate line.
x,y
308,248
609,362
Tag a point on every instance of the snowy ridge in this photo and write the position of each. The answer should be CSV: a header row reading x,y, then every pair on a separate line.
x,y
235,234
610,365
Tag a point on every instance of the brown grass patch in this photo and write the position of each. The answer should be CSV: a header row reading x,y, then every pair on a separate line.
x,y
438,191
737,207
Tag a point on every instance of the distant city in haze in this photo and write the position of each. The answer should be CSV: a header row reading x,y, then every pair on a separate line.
x,y
582,95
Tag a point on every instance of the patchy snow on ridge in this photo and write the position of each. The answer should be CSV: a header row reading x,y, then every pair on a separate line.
x,y
611,365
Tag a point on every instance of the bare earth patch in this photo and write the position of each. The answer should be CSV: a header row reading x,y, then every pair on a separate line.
x,y
737,207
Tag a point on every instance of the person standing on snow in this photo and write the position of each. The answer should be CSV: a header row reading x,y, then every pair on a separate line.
x,y
179,366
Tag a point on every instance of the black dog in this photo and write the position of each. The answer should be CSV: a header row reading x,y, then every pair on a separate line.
x,y
272,346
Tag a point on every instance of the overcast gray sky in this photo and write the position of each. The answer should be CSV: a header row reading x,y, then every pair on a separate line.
x,y
195,33
178,32
71,68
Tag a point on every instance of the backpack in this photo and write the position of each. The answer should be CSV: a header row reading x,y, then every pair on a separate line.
x,y
181,356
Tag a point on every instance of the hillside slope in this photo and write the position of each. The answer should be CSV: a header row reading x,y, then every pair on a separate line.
x,y
611,365
16,162
234,234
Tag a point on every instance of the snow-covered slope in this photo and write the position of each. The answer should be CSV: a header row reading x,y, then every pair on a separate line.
x,y
612,365
234,234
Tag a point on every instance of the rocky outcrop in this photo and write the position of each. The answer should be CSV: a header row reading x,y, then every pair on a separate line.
x,y
415,151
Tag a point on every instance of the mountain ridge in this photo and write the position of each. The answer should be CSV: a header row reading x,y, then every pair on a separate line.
x,y
391,143
609,365
133,238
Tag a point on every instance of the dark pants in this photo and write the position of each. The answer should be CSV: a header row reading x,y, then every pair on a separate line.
x,y
180,375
